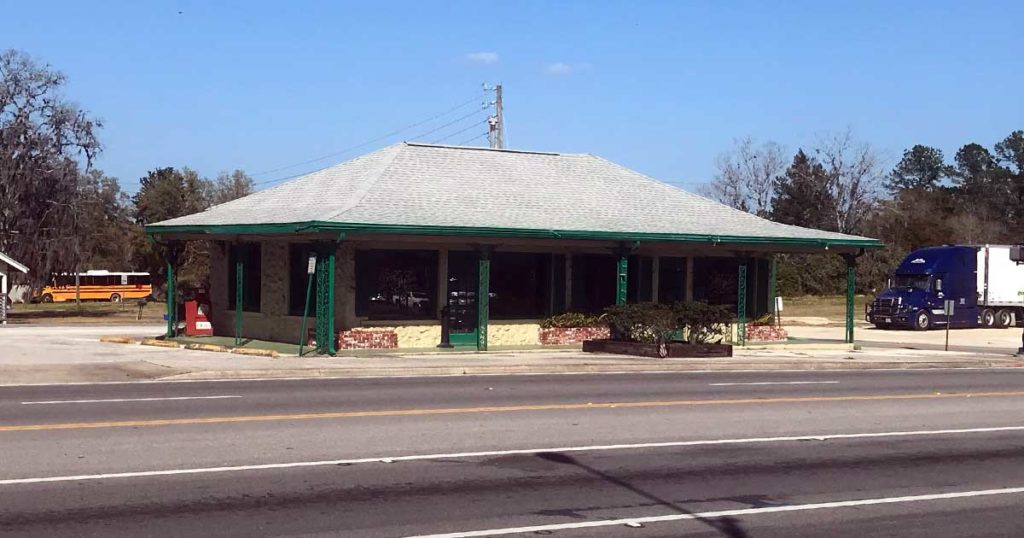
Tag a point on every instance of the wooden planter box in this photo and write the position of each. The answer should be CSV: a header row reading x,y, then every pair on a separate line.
x,y
670,349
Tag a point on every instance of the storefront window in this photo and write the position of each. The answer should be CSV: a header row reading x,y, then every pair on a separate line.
x,y
671,279
593,282
521,285
639,279
251,257
298,279
396,284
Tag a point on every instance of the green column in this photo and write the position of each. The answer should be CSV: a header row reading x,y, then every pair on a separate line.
x,y
483,301
172,312
239,292
851,266
325,299
622,279
741,305
773,284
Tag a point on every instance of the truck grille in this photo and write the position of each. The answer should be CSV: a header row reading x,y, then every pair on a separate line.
x,y
884,307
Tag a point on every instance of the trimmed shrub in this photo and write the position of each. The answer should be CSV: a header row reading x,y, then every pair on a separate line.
x,y
570,320
647,323
701,322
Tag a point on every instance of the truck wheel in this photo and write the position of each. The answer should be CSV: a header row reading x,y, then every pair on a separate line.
x,y
922,321
115,297
988,318
1004,318
47,298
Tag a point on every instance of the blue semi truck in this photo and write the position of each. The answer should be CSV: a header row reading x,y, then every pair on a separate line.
x,y
984,282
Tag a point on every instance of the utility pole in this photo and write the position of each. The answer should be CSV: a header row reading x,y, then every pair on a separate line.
x,y
496,123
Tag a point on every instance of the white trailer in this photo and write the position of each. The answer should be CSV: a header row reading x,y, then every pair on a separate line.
x,y
1000,287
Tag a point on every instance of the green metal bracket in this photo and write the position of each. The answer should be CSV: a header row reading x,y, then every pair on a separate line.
x,y
741,305
621,280
483,300
239,291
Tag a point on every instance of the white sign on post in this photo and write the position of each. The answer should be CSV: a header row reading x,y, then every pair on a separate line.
x,y
778,304
950,307
311,265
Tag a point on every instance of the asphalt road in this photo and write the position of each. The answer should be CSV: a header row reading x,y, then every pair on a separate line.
x,y
850,453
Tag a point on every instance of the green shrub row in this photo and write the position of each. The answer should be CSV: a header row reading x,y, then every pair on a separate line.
x,y
653,322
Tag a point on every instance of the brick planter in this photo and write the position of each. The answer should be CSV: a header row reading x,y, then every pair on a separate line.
x,y
368,339
765,333
673,349
559,336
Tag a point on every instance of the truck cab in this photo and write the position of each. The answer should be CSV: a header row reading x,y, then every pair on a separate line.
x,y
922,284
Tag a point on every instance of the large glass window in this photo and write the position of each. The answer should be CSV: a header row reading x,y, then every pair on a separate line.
x,y
251,257
396,284
671,279
639,281
593,282
521,285
298,279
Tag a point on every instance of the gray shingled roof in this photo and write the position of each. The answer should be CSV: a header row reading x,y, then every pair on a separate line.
x,y
421,185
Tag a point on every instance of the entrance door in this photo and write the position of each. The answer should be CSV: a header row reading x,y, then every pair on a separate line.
x,y
463,279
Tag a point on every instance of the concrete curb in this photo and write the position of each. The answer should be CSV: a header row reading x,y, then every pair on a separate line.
x,y
117,339
207,347
158,343
426,371
255,352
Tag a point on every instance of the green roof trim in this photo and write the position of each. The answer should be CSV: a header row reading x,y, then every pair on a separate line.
x,y
457,231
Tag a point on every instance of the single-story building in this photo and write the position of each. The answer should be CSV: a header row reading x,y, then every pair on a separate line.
x,y
7,264
503,238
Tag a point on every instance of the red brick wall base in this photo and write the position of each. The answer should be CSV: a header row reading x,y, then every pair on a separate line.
x,y
560,336
368,339
765,333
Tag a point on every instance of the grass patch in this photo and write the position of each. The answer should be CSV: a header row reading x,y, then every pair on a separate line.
x,y
831,307
88,312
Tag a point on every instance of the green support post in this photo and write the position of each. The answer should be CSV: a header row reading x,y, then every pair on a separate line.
x,y
773,284
325,300
239,292
172,312
851,276
622,280
741,305
483,300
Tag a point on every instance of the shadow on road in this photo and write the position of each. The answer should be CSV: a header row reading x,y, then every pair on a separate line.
x,y
727,526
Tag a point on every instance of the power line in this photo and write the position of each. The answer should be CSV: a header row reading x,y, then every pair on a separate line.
x,y
468,140
460,131
378,139
453,122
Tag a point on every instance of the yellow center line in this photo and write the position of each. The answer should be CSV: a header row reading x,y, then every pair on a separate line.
x,y
495,409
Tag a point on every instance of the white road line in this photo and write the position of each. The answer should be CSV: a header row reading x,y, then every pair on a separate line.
x,y
727,513
112,400
495,453
774,383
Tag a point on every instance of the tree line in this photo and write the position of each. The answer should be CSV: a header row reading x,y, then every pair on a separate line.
x,y
841,185
59,213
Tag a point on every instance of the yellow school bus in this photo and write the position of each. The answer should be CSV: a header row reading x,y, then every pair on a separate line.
x,y
97,285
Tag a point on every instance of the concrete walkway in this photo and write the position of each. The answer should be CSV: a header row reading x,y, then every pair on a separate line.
x,y
63,354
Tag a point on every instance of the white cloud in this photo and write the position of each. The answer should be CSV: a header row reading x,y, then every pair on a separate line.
x,y
483,57
562,68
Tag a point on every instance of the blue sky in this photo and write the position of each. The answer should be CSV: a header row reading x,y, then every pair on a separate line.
x,y
661,87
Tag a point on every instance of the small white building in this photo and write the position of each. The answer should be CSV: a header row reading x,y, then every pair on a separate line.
x,y
7,266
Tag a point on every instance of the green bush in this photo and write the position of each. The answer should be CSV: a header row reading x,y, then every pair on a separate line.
x,y
570,320
647,323
652,323
701,322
